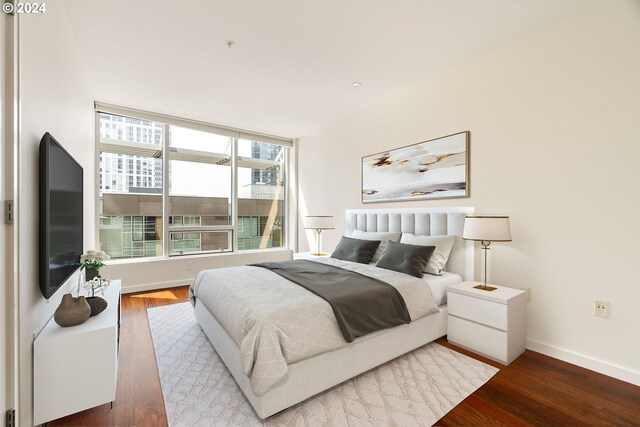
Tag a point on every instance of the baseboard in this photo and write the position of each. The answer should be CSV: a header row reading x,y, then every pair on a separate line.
x,y
156,286
587,362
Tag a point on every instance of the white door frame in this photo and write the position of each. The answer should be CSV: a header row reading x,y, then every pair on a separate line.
x,y
9,131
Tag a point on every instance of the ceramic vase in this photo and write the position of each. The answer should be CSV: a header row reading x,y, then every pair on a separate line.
x,y
90,273
97,304
72,311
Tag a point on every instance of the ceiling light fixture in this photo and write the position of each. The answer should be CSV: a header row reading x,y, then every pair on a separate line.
x,y
356,84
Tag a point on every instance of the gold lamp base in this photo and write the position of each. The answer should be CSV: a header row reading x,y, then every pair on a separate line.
x,y
318,254
483,287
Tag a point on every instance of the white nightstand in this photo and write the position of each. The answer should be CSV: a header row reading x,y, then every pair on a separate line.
x,y
489,323
307,255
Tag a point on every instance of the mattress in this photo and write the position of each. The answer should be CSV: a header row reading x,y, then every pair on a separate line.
x,y
439,285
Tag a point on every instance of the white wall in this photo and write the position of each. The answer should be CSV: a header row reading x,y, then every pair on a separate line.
x,y
54,98
554,120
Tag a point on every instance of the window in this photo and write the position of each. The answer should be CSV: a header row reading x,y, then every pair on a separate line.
x,y
200,176
130,211
226,192
261,194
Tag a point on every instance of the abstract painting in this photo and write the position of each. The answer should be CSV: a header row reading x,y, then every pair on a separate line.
x,y
434,169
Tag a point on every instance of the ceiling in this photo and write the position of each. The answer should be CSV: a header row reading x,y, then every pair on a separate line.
x,y
291,67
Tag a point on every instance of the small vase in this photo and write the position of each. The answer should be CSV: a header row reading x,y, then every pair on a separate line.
x,y
97,304
90,273
72,311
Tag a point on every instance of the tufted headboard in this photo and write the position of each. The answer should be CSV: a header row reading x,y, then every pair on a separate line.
x,y
430,221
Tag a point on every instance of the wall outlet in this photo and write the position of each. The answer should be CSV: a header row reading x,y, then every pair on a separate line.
x,y
528,292
188,266
602,308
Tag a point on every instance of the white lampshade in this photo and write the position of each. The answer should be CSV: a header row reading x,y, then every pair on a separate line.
x,y
487,228
319,222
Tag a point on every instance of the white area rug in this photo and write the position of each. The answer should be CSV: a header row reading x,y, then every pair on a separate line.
x,y
416,389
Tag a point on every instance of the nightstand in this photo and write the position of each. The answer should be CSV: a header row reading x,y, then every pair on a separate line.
x,y
492,324
307,255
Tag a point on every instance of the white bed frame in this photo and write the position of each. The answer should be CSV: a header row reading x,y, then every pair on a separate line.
x,y
311,376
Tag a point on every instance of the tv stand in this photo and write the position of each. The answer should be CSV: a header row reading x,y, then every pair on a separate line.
x,y
76,368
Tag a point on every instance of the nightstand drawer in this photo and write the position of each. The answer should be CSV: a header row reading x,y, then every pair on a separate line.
x,y
478,310
482,339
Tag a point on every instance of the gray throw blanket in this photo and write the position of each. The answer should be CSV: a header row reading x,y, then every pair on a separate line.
x,y
361,304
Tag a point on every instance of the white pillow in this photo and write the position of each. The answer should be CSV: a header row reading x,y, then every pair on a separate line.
x,y
384,237
440,255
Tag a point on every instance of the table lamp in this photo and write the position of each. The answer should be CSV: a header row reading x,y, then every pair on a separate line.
x,y
318,223
486,229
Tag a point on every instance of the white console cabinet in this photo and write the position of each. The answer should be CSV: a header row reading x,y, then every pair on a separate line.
x,y
76,368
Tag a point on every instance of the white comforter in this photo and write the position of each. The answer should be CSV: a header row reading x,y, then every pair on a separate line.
x,y
276,322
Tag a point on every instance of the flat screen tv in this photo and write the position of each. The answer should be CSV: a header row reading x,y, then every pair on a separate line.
x,y
61,229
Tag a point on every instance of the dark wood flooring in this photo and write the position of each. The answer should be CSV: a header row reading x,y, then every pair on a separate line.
x,y
534,390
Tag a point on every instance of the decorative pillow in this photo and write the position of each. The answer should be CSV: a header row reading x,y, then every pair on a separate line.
x,y
440,256
355,250
383,236
410,259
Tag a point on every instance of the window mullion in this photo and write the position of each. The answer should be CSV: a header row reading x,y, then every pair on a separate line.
x,y
198,228
98,202
165,193
284,170
234,194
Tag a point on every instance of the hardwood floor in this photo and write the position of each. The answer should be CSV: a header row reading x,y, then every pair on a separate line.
x,y
534,390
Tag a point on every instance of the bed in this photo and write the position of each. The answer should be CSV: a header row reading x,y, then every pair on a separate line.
x,y
303,375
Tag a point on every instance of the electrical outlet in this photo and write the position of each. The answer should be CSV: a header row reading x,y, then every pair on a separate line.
x,y
188,267
528,292
602,308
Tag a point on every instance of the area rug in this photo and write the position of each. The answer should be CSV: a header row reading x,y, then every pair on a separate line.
x,y
416,389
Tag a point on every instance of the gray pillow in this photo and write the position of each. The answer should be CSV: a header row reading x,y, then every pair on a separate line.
x,y
355,250
410,259
440,256
383,236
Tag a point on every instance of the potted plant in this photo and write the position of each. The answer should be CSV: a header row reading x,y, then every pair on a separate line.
x,y
92,262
